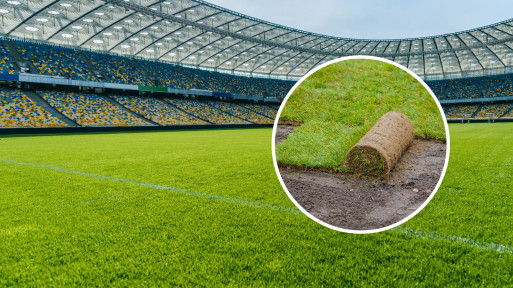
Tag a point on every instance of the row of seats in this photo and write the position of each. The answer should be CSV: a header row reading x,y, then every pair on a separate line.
x,y
157,110
240,112
493,110
90,109
479,111
479,87
268,111
17,110
66,62
119,69
55,61
204,111
167,75
6,60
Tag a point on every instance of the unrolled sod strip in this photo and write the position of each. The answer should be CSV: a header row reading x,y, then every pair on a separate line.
x,y
379,150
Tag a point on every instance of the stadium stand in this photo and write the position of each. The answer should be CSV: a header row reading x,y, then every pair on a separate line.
x,y
460,111
469,88
66,62
54,60
500,86
278,88
17,110
240,112
90,110
118,69
167,75
268,111
493,110
204,111
157,110
6,60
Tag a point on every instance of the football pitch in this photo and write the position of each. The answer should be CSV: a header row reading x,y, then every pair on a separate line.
x,y
205,208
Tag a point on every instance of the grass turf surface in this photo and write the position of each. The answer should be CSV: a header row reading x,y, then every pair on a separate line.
x,y
339,103
58,228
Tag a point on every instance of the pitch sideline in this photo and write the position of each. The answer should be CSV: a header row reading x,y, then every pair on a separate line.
x,y
419,234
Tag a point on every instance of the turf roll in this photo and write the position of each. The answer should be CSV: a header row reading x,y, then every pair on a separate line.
x,y
379,150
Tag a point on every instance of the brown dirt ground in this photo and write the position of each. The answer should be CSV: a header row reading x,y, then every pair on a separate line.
x,y
362,203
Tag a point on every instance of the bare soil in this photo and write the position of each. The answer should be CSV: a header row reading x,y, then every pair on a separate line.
x,y
363,203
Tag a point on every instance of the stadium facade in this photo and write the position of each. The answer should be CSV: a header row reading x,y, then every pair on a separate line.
x,y
164,63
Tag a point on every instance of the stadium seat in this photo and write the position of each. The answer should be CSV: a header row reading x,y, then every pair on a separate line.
x,y
90,110
17,110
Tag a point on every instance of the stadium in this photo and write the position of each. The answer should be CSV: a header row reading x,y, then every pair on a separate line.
x,y
126,157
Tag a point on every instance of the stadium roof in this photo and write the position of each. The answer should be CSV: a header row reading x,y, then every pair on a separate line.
x,y
197,33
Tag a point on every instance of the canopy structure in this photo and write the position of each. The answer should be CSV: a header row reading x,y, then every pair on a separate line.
x,y
197,33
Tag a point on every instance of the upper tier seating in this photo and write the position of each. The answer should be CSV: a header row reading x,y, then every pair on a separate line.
x,y
6,60
66,62
157,110
17,110
54,60
90,110
167,75
119,69
479,87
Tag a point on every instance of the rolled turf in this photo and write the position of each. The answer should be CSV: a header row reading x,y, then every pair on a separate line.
x,y
379,150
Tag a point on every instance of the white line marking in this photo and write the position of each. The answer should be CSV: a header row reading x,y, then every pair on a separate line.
x,y
161,187
419,234
467,241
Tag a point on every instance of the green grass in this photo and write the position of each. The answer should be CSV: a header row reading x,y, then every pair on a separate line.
x,y
64,229
341,102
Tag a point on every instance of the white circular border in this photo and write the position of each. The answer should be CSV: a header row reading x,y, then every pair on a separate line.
x,y
371,230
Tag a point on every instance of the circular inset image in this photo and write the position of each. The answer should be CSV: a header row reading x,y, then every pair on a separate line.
x,y
360,144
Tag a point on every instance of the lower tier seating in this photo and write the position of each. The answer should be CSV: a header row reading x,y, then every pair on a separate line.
x,y
240,112
157,110
268,111
479,111
90,110
17,110
204,111
87,109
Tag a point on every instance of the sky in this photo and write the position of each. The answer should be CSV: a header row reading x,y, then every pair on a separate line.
x,y
375,19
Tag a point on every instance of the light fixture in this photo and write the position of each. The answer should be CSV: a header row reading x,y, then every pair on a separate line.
x,y
31,28
125,46
98,41
66,35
